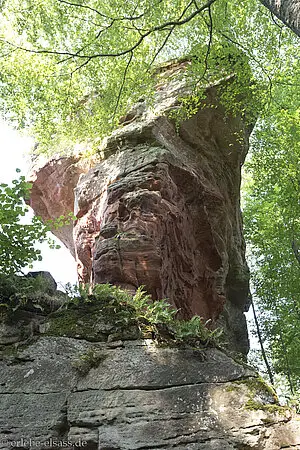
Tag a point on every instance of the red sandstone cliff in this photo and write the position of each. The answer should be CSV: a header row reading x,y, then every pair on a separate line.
x,y
160,209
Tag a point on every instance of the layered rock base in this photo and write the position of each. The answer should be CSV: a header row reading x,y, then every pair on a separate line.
x,y
140,396
90,373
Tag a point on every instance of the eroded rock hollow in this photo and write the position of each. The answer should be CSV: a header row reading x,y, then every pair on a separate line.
x,y
160,207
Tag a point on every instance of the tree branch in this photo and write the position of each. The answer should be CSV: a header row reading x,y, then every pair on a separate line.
x,y
210,27
96,11
169,33
122,85
260,339
296,250
85,7
162,27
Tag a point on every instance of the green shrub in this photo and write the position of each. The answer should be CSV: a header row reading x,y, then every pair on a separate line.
x,y
123,308
17,240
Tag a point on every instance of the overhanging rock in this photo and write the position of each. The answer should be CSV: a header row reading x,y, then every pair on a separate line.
x,y
161,208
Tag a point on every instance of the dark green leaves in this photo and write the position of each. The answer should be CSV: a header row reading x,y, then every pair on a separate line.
x,y
17,239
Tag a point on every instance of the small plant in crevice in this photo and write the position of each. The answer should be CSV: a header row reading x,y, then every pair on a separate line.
x,y
91,359
196,329
153,311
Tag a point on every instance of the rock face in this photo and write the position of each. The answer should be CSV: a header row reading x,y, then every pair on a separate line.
x,y
84,375
136,396
161,208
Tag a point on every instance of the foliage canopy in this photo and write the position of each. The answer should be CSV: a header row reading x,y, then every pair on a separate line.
x,y
273,233
70,68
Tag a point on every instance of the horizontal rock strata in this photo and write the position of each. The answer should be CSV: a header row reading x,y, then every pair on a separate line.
x,y
84,374
140,396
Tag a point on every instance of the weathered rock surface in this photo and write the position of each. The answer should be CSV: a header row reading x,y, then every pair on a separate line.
x,y
140,396
52,195
86,377
24,308
161,209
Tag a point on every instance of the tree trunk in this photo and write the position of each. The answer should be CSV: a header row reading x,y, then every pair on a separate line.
x,y
288,11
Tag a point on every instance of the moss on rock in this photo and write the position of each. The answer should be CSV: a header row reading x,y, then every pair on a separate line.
x,y
93,322
259,386
269,407
88,360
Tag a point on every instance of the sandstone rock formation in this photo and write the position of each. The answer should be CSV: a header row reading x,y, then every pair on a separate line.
x,y
161,208
52,195
158,206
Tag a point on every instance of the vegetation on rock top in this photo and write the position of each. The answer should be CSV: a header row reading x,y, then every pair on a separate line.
x,y
29,293
104,310
95,313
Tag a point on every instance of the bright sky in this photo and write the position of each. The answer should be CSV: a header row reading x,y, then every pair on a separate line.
x,y
13,149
